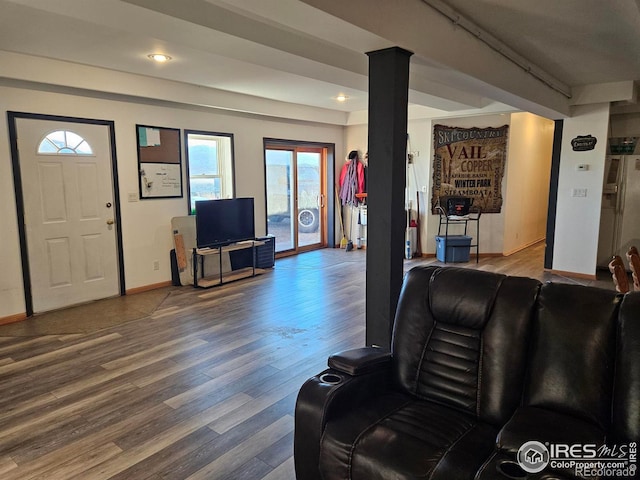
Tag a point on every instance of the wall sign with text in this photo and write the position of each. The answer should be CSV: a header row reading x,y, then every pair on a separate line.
x,y
583,143
469,162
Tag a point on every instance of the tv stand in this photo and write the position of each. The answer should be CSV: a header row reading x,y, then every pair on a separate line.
x,y
202,280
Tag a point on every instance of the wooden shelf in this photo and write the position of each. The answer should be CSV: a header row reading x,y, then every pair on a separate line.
x,y
208,282
229,248
222,277
214,280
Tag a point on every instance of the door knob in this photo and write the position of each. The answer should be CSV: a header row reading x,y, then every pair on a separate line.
x,y
110,221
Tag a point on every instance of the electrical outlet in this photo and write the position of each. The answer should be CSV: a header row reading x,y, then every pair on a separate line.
x,y
133,197
156,265
579,192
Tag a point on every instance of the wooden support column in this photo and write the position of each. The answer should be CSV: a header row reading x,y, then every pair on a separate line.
x,y
386,178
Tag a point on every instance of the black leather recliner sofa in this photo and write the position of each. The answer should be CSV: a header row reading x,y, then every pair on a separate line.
x,y
480,364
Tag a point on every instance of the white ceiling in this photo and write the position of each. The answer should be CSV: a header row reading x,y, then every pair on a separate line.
x,y
579,42
307,52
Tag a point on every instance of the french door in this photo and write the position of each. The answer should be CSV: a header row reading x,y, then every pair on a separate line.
x,y
296,197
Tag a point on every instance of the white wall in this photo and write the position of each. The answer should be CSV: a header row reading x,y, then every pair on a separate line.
x,y
527,181
421,173
146,223
419,142
525,186
578,218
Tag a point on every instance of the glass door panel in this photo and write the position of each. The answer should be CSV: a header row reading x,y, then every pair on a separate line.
x,y
309,196
295,197
280,201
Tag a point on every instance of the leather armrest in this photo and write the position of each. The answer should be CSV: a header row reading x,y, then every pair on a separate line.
x,y
360,361
329,394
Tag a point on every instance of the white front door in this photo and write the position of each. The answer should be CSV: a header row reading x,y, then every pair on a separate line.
x,y
67,186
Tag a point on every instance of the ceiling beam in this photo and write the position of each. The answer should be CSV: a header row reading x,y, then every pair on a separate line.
x,y
605,92
347,67
417,27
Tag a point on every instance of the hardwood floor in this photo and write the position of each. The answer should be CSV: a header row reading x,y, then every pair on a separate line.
x,y
204,388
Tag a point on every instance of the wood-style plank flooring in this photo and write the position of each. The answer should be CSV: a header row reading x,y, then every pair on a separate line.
x,y
204,388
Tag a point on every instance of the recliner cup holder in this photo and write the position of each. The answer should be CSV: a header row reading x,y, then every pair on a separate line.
x,y
330,378
511,469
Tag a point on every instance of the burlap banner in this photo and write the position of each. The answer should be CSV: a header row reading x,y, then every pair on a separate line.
x,y
469,162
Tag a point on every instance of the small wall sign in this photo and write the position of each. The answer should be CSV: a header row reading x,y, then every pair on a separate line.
x,y
583,143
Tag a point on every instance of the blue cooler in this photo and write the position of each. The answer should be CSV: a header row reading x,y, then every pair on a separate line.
x,y
457,247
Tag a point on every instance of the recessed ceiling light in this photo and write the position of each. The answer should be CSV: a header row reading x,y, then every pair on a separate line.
x,y
342,98
159,57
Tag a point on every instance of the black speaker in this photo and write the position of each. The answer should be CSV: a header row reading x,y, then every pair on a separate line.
x,y
266,254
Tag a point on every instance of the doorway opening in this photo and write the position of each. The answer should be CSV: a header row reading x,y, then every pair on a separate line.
x,y
296,195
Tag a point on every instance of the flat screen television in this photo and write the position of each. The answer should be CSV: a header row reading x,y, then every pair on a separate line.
x,y
222,222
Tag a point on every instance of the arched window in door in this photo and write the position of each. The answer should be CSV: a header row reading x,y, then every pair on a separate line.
x,y
64,142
